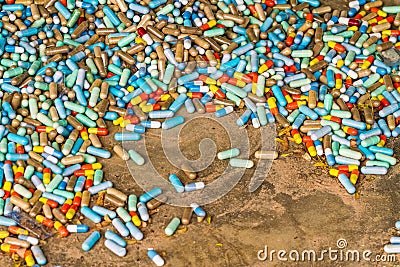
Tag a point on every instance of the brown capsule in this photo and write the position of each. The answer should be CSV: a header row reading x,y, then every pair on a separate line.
x,y
368,115
36,209
342,104
387,80
355,37
72,160
101,123
121,152
139,113
381,27
255,98
312,99
268,155
35,156
43,139
93,39
396,78
187,215
50,51
391,121
35,197
355,114
80,29
156,32
369,16
211,58
17,242
95,140
199,106
370,5
384,46
23,204
71,183
26,183
74,122
282,120
318,66
189,30
117,193
317,49
362,99
213,44
85,145
126,57
300,7
85,199
47,212
318,35
53,90
235,18
114,201
307,128
155,203
161,24
59,216
396,21
9,27
373,39
374,87
363,73
336,93
312,123
100,67
188,170
309,74
327,141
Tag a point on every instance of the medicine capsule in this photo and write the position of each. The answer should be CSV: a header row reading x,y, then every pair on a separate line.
x,y
91,241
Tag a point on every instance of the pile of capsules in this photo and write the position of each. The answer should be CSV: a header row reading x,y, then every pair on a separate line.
x,y
70,69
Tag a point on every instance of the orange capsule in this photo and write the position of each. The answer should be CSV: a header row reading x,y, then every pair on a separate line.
x,y
61,229
17,230
350,131
98,131
43,220
65,207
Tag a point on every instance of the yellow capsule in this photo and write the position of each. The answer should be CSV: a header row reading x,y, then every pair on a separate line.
x,y
118,121
38,149
136,220
320,105
334,172
165,97
136,100
340,63
124,123
271,102
28,257
70,214
312,151
288,98
147,108
382,13
84,135
352,168
96,166
4,234
142,104
7,186
130,88
353,28
14,169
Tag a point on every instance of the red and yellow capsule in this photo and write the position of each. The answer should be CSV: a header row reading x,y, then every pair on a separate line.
x,y
272,105
295,105
338,81
266,66
65,207
217,92
296,136
336,46
208,25
17,230
28,257
354,176
43,220
350,130
311,148
44,129
53,204
84,134
347,168
8,248
98,131
71,212
46,175
367,63
83,172
135,218
61,229
207,80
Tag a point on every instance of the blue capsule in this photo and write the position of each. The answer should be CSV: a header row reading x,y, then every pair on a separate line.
x,y
153,193
91,241
90,214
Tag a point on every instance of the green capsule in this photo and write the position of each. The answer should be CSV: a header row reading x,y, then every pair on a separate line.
x,y
8,62
121,27
370,141
35,139
214,32
363,38
46,105
94,96
222,6
335,38
74,107
21,131
71,79
136,157
160,84
33,107
334,125
255,21
132,202
346,34
241,163
172,226
38,23
371,80
1,206
124,77
226,23
69,144
292,116
3,145
305,61
349,57
44,119
324,50
123,214
91,114
230,153
90,77
89,159
21,190
85,120
386,158
114,69
299,83
234,89
98,177
69,41
91,65
233,98
169,72
344,114
127,40
335,148
349,153
74,16
337,71
370,50
63,193
29,171
302,53
391,9
378,91
378,163
41,85
340,133
165,10
13,72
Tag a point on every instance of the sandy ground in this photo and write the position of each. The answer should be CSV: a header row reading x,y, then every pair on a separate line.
x,y
297,207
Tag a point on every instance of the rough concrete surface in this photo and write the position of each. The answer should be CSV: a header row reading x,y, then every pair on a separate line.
x,y
297,207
